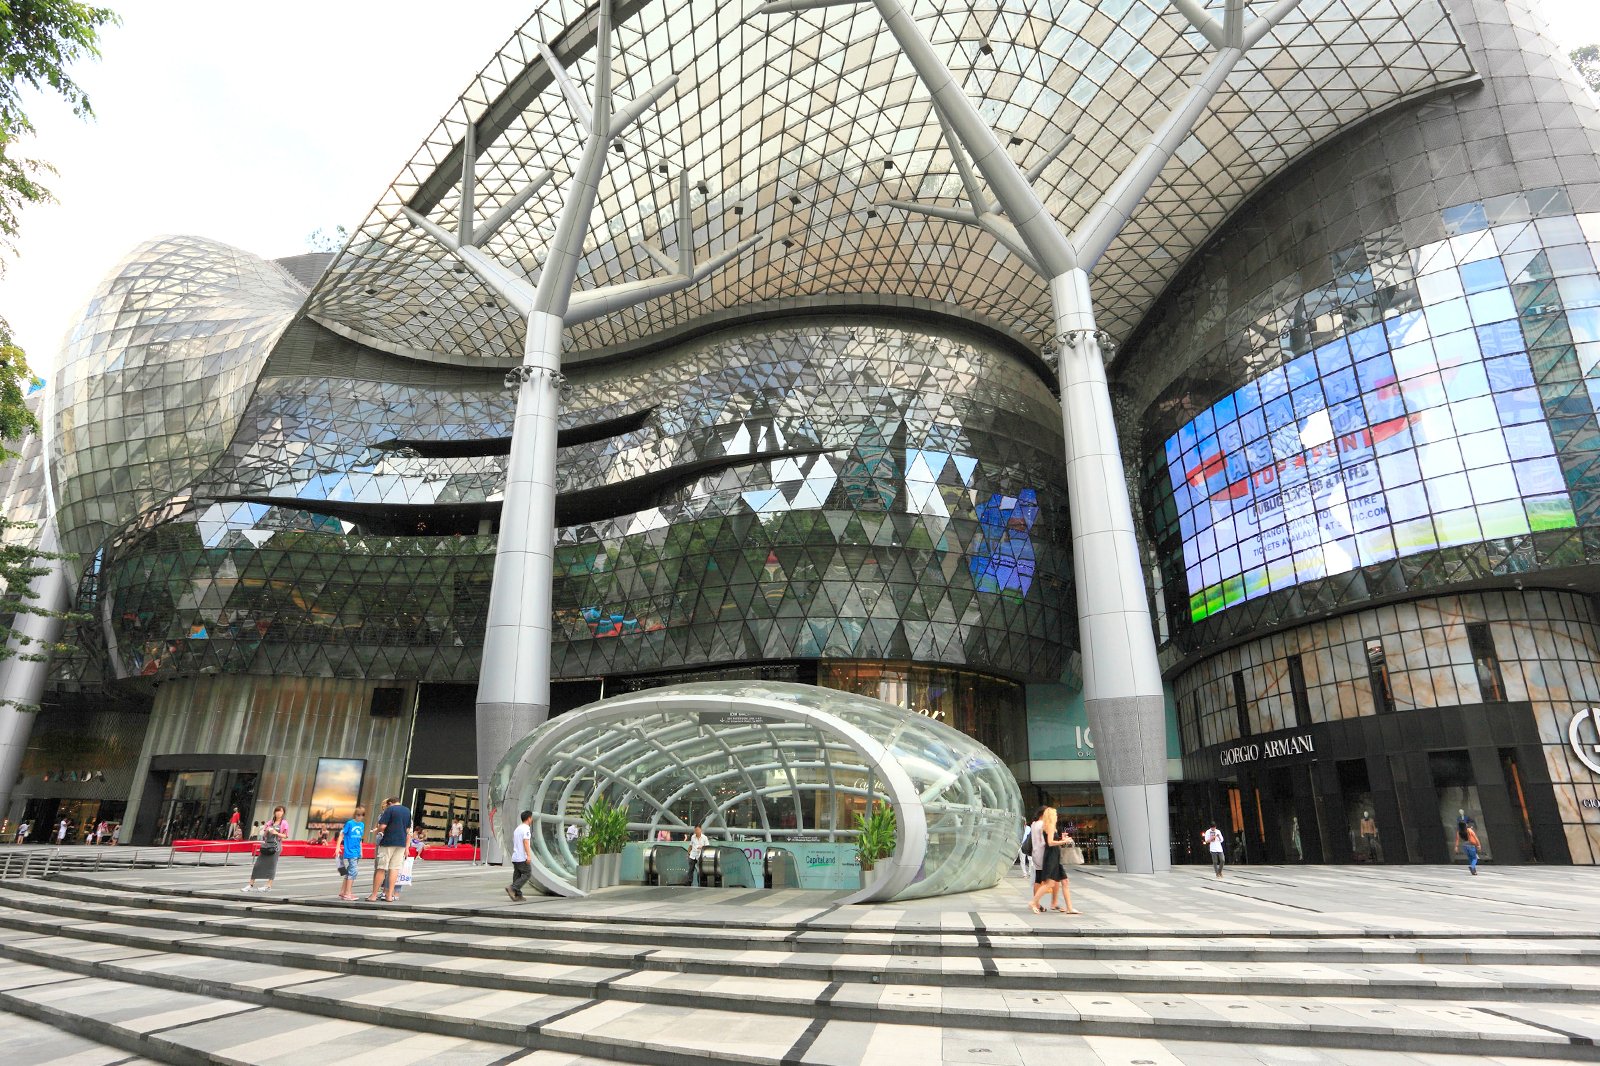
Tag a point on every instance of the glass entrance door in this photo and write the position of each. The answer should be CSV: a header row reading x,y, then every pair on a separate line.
x,y
197,804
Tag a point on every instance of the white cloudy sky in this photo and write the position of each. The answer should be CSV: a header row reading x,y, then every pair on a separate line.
x,y
255,124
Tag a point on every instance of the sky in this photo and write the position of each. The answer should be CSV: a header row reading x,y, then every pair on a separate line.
x,y
256,124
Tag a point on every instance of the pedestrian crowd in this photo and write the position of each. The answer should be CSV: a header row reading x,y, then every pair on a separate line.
x,y
65,831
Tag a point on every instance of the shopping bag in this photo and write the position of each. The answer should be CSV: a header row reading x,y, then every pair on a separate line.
x,y
405,873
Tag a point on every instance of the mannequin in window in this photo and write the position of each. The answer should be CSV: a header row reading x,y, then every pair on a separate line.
x,y
1369,835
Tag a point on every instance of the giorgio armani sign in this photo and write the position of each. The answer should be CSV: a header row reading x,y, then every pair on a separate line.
x,y
1299,744
1582,732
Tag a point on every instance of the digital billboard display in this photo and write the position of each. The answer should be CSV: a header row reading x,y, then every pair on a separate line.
x,y
1422,432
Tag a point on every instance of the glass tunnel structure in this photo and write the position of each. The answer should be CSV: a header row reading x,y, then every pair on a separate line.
x,y
763,763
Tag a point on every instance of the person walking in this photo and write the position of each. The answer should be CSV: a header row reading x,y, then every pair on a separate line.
x,y
273,833
457,830
348,851
62,830
234,832
1037,850
1063,887
1025,847
1049,877
1212,838
394,832
521,857
23,831
1467,841
697,845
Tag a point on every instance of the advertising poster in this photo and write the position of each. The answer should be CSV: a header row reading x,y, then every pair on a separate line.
x,y
335,792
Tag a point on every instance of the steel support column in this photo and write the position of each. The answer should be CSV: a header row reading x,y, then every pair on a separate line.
x,y
514,681
22,678
1122,689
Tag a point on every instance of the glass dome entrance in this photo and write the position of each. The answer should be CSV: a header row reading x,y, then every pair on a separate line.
x,y
768,763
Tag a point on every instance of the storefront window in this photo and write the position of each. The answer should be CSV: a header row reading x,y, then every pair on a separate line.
x,y
991,710
1360,816
1484,660
1458,799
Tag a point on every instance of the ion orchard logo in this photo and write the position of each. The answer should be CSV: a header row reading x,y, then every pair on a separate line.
x,y
1586,748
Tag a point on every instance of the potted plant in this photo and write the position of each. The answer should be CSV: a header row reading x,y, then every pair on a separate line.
x,y
586,871
608,826
875,833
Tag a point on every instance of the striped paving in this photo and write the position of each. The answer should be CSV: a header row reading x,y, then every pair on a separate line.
x,y
177,965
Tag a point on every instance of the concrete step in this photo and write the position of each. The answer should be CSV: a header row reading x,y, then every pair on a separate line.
x,y
261,934
736,1018
197,1030
195,988
992,936
25,1042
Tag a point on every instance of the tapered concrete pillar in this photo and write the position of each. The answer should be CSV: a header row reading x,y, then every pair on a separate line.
x,y
22,680
514,682
1121,674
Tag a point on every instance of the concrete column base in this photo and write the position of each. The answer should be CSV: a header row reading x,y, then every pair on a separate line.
x,y
1130,747
500,727
1138,816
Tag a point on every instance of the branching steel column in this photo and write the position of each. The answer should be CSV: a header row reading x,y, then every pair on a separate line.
x,y
1122,679
514,678
1122,690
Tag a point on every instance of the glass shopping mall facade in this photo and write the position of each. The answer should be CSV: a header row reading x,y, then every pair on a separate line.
x,y
1355,392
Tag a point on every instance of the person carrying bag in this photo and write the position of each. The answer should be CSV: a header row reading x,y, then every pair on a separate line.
x,y
273,832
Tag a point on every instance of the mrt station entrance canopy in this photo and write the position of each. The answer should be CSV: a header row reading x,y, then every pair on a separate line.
x,y
758,764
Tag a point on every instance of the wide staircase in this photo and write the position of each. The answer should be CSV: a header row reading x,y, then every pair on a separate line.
x,y
191,976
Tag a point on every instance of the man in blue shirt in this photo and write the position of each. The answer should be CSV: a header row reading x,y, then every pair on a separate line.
x,y
394,832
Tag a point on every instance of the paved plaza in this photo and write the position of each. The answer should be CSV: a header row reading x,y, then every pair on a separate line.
x,y
1314,965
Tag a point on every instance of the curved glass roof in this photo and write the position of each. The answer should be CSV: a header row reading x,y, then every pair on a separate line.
x,y
798,127
768,762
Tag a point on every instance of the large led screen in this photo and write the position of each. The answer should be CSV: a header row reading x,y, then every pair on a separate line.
x,y
1419,433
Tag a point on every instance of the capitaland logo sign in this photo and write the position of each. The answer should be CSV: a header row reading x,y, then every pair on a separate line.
x,y
1302,744
1583,733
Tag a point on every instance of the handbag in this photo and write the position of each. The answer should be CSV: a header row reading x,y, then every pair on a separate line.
x,y
1072,855
270,845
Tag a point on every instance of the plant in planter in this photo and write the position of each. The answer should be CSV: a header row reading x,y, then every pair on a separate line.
x,y
608,829
875,832
584,846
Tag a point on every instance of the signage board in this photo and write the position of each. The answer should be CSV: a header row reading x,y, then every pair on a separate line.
x,y
1260,750
1583,733
731,719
